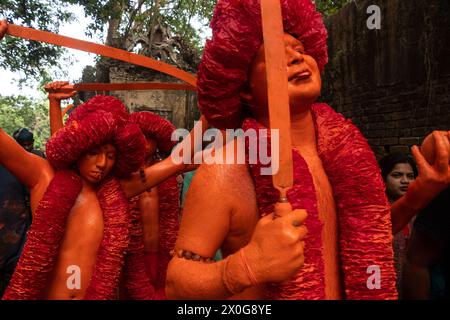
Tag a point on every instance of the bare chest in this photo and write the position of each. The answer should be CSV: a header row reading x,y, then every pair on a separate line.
x,y
78,251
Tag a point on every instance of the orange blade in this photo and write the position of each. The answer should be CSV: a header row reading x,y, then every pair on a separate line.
x,y
277,84
114,53
131,86
123,86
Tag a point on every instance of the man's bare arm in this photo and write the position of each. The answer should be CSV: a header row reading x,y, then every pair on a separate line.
x,y
432,179
32,170
216,193
204,227
154,175
25,166
149,208
167,168
3,28
55,95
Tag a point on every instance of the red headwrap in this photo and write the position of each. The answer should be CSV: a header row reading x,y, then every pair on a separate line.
x,y
236,38
155,127
101,120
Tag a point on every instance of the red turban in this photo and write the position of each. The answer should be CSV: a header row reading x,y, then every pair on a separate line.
x,y
102,119
236,38
155,127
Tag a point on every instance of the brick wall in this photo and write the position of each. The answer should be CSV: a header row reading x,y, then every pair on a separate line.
x,y
394,83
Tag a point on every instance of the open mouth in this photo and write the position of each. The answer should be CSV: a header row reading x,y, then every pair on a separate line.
x,y
300,75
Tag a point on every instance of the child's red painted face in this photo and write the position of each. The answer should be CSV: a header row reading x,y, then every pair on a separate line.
x,y
97,163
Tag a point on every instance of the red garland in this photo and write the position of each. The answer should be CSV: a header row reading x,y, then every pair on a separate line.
x,y
47,230
308,284
363,212
110,257
136,283
43,239
169,210
135,267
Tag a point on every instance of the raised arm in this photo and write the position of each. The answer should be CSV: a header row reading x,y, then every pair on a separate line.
x,y
3,28
56,93
274,252
161,171
24,165
432,179
153,175
32,170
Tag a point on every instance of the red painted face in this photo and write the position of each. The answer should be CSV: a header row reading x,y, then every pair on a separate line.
x,y
97,163
304,82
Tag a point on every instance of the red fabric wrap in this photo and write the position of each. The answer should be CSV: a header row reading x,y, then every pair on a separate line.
x,y
136,261
236,38
151,260
155,127
365,237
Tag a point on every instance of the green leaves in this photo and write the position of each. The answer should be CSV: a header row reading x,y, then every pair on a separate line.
x,y
19,111
119,17
329,7
29,57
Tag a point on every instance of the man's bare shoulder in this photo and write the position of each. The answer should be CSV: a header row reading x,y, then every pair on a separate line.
x,y
225,179
222,169
46,170
220,203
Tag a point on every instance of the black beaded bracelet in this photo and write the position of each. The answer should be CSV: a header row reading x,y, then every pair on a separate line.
x,y
143,178
189,255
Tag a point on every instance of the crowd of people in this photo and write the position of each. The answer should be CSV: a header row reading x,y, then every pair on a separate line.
x,y
98,217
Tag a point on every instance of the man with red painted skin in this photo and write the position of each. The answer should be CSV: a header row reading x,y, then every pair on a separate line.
x,y
154,223
336,180
77,192
96,143
158,208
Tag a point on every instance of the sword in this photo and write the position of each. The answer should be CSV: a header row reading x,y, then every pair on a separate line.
x,y
124,86
103,50
278,99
